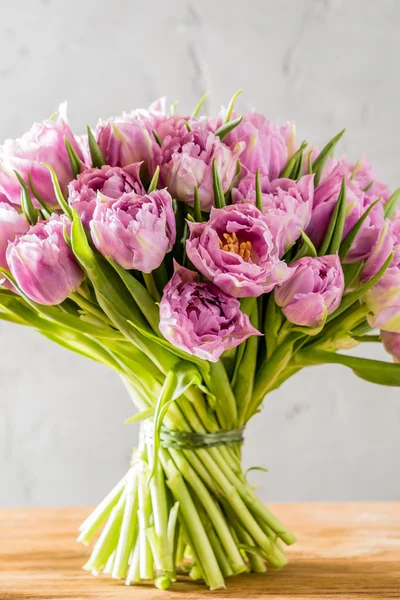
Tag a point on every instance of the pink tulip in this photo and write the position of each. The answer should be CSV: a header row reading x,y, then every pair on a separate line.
x,y
199,318
187,162
313,292
237,250
268,145
383,301
44,142
43,264
391,343
135,231
287,204
112,182
125,140
12,223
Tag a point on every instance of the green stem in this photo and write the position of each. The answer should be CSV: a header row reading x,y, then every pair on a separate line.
x,y
128,531
211,509
226,402
93,522
201,544
108,539
134,568
144,515
151,286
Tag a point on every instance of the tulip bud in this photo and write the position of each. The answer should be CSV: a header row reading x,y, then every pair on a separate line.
x,y
125,140
313,292
135,231
199,318
43,264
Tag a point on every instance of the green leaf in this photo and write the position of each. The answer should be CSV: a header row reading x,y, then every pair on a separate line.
x,y
374,371
351,271
160,341
199,105
219,198
58,193
76,164
391,204
320,161
157,138
154,181
141,416
42,203
306,249
334,223
350,237
309,162
95,152
28,209
341,217
235,181
231,105
226,128
187,125
57,315
218,383
263,469
178,380
242,382
259,196
271,369
293,167
198,217
353,297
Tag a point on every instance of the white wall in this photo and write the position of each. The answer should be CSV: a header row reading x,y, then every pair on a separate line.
x,y
327,64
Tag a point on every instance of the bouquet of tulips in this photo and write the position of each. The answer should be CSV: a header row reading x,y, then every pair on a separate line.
x,y
206,261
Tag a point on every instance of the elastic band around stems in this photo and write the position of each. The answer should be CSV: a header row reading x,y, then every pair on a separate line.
x,y
185,440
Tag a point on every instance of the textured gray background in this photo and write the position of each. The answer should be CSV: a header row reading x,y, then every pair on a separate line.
x,y
327,64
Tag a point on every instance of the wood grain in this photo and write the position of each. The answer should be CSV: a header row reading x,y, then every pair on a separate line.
x,y
346,551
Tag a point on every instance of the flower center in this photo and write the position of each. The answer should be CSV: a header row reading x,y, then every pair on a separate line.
x,y
232,244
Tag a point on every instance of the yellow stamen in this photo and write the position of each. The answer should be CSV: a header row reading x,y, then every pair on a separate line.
x,y
232,244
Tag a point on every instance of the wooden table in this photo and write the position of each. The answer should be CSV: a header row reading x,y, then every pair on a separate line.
x,y
343,551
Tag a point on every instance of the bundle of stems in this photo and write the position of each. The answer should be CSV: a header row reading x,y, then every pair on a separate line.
x,y
192,513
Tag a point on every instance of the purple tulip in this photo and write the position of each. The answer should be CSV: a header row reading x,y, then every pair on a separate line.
x,y
44,142
237,250
313,292
268,145
391,343
12,223
363,173
135,231
199,318
187,162
325,199
43,264
383,301
378,245
287,204
125,140
112,182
